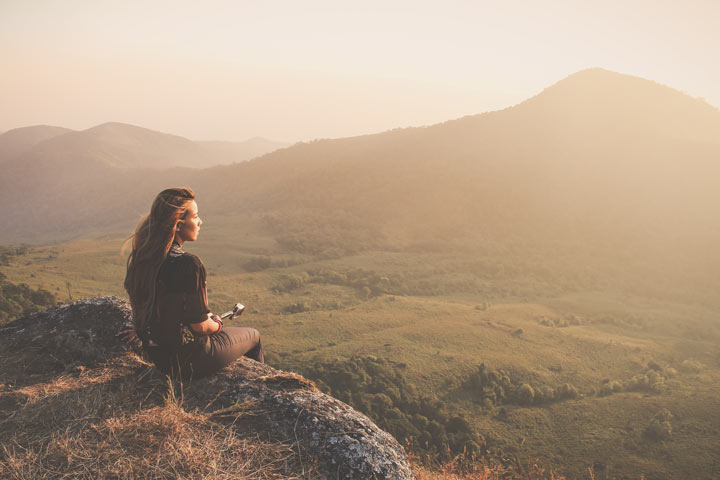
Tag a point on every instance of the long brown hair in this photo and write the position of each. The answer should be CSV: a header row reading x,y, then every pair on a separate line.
x,y
151,242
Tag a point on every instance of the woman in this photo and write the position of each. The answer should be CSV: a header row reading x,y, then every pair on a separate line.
x,y
168,294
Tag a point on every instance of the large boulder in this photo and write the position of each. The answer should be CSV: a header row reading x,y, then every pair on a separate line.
x,y
341,442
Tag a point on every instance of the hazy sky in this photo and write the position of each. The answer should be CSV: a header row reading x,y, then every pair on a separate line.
x,y
298,70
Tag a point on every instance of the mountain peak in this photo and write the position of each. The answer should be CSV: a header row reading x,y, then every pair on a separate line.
x,y
601,85
598,80
18,141
123,129
596,72
598,101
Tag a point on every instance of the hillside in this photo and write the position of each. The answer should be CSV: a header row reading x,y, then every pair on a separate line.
x,y
539,282
89,172
16,142
620,147
123,147
454,350
599,166
601,171
547,163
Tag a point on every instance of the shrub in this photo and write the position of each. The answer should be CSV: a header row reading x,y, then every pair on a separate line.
x,y
19,300
567,391
291,282
544,394
295,308
609,387
257,264
525,394
495,387
660,427
691,366
605,390
656,380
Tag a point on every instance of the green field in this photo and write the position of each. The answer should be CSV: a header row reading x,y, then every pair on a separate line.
x,y
628,355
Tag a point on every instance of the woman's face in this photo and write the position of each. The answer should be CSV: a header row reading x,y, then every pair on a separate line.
x,y
189,229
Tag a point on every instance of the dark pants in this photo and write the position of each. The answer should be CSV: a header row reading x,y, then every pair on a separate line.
x,y
226,346
218,351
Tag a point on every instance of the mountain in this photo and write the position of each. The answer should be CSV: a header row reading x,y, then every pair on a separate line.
x,y
119,146
599,161
18,141
90,171
123,146
596,153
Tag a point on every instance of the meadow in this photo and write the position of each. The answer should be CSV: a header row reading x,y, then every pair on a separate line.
x,y
576,372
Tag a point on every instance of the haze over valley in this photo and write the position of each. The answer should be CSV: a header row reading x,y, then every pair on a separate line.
x,y
537,282
601,164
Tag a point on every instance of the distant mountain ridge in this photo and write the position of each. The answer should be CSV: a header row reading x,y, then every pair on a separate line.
x,y
598,161
124,146
616,152
18,141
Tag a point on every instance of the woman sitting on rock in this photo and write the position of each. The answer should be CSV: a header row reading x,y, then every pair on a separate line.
x,y
168,295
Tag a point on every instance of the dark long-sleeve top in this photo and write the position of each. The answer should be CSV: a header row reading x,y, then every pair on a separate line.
x,y
181,301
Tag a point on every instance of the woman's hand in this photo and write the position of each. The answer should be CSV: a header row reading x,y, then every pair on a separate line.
x,y
210,325
128,334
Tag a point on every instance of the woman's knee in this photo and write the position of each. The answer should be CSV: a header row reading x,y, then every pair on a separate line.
x,y
255,334
242,334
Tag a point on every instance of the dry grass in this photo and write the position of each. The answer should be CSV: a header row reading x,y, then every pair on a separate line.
x,y
160,442
483,468
125,421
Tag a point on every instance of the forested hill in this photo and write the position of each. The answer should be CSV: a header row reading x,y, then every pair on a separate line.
x,y
597,154
599,163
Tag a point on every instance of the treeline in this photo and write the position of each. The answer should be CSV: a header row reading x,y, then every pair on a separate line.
x,y
515,266
377,388
20,300
651,380
370,283
6,253
434,428
492,388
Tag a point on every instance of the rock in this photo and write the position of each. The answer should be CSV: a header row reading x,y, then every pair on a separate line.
x,y
344,443
82,333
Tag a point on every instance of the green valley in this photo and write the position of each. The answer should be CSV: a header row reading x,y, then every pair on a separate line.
x,y
527,369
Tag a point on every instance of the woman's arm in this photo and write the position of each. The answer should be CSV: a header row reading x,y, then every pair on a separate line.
x,y
208,326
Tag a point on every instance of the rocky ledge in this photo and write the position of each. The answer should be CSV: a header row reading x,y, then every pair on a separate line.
x,y
344,443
